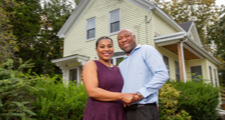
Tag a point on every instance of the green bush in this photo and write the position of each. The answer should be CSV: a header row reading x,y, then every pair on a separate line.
x,y
56,101
168,104
198,99
15,97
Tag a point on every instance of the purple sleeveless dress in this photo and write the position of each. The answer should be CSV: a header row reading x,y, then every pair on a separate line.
x,y
109,79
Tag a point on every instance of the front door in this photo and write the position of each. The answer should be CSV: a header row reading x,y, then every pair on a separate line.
x,y
73,74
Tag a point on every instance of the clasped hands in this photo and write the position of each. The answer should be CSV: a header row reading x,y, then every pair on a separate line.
x,y
129,98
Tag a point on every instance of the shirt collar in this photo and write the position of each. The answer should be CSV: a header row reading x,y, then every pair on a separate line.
x,y
136,48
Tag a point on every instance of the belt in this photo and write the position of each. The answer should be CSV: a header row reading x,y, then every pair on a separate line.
x,y
135,106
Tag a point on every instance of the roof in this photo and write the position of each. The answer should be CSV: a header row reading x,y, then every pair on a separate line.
x,y
144,4
186,25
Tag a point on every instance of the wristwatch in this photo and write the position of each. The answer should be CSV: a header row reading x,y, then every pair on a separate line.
x,y
140,95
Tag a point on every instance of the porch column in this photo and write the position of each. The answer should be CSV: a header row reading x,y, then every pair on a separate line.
x,y
180,50
63,69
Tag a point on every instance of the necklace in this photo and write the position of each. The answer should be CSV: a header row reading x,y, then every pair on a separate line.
x,y
110,67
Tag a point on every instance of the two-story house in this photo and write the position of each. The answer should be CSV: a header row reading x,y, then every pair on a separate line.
x,y
179,44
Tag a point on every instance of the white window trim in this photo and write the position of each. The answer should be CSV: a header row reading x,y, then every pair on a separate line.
x,y
78,73
211,72
168,62
87,29
215,74
113,33
175,68
114,58
196,66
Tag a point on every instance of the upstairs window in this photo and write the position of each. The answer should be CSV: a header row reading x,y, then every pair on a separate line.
x,y
91,28
114,21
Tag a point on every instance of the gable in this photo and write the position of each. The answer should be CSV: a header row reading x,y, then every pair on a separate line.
x,y
194,35
75,41
191,29
143,4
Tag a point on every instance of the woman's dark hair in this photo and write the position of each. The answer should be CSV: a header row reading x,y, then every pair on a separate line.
x,y
103,37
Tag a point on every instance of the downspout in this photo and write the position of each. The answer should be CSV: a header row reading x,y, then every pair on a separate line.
x,y
182,55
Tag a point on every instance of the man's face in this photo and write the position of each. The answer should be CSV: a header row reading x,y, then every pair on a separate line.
x,y
126,41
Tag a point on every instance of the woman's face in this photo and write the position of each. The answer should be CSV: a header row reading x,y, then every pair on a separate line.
x,y
105,49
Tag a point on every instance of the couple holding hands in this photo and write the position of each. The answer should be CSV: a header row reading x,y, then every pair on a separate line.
x,y
127,92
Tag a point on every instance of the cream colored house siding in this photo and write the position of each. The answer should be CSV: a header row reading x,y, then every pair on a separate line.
x,y
213,66
130,16
196,41
161,27
172,57
196,62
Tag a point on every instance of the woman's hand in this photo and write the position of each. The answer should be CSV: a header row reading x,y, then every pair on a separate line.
x,y
127,97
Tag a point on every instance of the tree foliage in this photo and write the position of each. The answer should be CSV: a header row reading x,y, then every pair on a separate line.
x,y
202,12
15,97
77,1
7,39
36,27
49,46
216,35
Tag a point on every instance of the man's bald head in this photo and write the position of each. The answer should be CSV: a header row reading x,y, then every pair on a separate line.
x,y
125,30
126,40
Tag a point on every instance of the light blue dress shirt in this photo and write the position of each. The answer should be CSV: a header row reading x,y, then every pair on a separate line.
x,y
145,72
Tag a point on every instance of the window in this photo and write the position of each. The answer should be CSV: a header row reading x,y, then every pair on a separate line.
x,y
116,60
216,84
210,74
91,28
74,74
195,72
166,61
177,71
114,21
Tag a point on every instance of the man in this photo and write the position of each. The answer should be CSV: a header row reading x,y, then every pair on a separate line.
x,y
144,73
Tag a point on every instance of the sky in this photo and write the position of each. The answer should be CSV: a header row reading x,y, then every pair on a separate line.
x,y
220,2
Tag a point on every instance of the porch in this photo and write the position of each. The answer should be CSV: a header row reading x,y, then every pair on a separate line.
x,y
186,59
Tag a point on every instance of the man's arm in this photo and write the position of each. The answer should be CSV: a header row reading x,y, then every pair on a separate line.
x,y
154,62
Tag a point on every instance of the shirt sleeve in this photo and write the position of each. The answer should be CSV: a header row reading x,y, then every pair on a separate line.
x,y
153,60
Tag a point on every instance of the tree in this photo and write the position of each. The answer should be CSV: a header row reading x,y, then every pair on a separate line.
x,y
77,1
48,45
7,39
202,12
216,35
25,26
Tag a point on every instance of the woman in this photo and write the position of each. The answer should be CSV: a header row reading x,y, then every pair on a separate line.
x,y
103,83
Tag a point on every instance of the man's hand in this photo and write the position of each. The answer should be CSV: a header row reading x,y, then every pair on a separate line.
x,y
127,98
136,98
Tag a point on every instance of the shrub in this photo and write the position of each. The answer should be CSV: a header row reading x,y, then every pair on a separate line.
x,y
59,102
198,99
15,97
168,104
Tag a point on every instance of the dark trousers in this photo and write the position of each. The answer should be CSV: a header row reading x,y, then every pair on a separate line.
x,y
142,112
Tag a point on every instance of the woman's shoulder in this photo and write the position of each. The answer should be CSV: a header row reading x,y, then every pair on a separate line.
x,y
90,63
